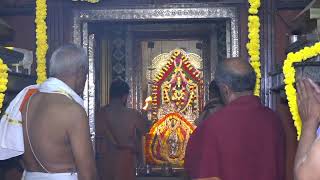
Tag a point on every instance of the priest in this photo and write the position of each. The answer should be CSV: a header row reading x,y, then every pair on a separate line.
x,y
47,123
120,131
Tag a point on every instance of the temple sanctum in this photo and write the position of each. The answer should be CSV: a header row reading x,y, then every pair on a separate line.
x,y
167,51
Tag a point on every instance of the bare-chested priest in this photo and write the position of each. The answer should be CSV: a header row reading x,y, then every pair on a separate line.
x,y
118,132
55,128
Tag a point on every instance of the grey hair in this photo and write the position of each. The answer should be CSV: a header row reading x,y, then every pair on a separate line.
x,y
238,82
68,59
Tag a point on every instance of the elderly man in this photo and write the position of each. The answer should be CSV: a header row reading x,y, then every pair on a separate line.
x,y
244,139
54,137
120,129
307,160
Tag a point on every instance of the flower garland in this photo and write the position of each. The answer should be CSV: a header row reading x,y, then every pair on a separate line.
x,y
41,35
254,6
155,150
165,72
3,81
289,80
253,45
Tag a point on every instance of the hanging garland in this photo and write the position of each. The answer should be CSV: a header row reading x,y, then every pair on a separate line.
x,y
289,80
253,45
41,35
3,81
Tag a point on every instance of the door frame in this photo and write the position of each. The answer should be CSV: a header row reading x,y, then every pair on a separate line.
x,y
179,12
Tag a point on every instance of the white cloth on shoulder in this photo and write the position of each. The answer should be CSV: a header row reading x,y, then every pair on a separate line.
x,y
48,176
11,131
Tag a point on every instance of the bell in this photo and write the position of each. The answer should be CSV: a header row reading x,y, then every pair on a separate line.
x,y
293,38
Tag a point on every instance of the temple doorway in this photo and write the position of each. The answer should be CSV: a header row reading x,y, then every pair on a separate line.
x,y
168,58
169,62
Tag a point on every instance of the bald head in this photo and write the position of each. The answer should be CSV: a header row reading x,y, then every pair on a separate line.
x,y
237,74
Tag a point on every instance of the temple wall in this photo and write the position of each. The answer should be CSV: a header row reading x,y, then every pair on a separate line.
x,y
60,31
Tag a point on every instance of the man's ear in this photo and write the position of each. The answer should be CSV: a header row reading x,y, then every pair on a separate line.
x,y
83,70
224,89
124,99
225,92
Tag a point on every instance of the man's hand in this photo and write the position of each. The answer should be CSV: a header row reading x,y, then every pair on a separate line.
x,y
147,105
308,102
307,156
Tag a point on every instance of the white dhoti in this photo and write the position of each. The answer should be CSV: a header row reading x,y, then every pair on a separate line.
x,y
49,176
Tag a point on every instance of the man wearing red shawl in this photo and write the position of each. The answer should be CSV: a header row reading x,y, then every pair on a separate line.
x,y
242,141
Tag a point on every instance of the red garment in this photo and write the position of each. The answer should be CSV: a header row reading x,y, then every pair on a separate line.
x,y
242,141
26,98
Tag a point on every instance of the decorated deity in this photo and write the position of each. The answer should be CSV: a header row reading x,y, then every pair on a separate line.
x,y
177,99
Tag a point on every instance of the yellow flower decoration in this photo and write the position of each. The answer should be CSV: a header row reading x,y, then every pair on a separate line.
x,y
253,45
289,80
41,35
3,81
254,6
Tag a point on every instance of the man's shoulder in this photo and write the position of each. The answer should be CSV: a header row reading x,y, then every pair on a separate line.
x,y
56,102
59,109
67,107
125,110
221,112
132,111
69,104
266,113
220,117
56,99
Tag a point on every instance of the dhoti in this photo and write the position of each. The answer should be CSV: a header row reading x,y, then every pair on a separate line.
x,y
48,176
